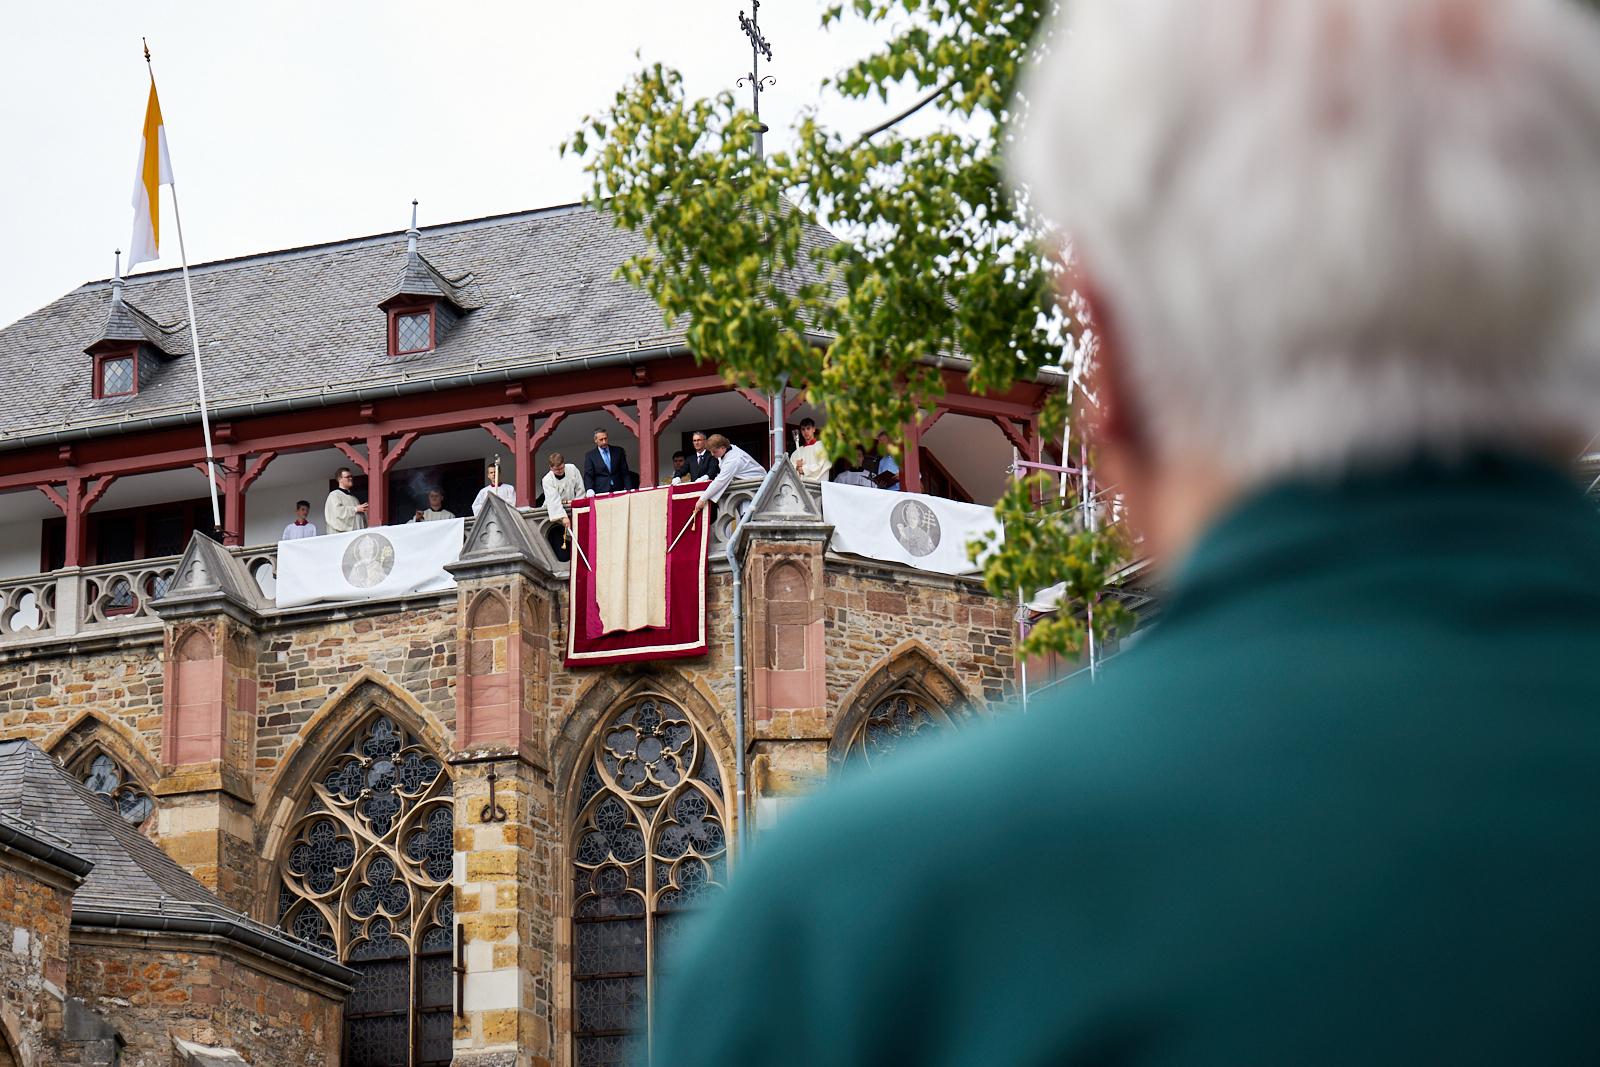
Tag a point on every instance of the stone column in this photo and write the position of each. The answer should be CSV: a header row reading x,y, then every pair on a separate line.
x,y
505,826
205,811
780,546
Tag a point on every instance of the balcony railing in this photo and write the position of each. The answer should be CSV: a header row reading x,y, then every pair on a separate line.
x,y
108,597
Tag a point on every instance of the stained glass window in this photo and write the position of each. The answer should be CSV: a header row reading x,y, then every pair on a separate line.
x,y
895,722
105,776
366,879
413,332
116,376
650,842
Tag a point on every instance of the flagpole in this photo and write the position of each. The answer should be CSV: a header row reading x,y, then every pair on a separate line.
x,y
194,337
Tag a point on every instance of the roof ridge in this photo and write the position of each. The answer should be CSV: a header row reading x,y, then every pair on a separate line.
x,y
367,240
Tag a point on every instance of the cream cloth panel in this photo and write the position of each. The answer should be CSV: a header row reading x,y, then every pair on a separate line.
x,y
630,579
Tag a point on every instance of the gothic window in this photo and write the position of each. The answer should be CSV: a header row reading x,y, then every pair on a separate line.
x,y
366,879
896,721
103,775
649,844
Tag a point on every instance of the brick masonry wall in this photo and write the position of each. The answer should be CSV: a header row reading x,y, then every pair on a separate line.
x,y
41,694
160,989
869,613
33,960
301,666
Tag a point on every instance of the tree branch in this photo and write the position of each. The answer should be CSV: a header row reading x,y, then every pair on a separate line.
x,y
907,113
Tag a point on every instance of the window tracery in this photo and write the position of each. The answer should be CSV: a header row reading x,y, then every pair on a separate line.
x,y
365,878
895,722
649,844
103,775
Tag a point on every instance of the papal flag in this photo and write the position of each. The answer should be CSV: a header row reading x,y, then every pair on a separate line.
x,y
152,172
929,533
365,564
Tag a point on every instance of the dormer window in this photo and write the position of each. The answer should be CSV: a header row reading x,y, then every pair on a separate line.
x,y
116,373
411,330
425,305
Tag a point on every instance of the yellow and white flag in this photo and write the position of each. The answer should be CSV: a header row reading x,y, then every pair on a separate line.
x,y
154,170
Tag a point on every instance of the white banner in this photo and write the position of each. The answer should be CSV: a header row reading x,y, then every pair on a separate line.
x,y
926,532
365,564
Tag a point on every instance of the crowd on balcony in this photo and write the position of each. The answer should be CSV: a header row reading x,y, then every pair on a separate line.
x,y
606,469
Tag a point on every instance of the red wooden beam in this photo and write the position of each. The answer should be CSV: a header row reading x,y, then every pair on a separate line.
x,y
629,423
927,424
132,454
544,431
794,405
257,469
55,498
355,457
756,397
674,408
393,455
985,407
97,492
500,435
205,471
1018,437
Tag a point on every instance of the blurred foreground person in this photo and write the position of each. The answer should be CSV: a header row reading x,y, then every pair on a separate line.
x,y
1343,805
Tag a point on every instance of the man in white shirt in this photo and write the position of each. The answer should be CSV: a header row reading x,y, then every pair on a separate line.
x,y
343,510
302,526
735,463
562,485
504,492
435,511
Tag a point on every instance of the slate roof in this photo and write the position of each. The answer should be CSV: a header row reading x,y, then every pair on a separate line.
x,y
304,322
133,881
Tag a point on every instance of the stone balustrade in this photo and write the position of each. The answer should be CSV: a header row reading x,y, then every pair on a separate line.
x,y
83,600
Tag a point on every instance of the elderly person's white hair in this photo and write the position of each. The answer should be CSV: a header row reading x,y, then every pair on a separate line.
x,y
1333,230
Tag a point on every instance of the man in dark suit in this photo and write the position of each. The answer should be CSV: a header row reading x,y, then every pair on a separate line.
x,y
605,469
702,464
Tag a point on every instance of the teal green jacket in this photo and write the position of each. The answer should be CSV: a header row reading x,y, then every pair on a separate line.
x,y
1341,806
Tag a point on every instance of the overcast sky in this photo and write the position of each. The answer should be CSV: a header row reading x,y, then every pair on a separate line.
x,y
295,123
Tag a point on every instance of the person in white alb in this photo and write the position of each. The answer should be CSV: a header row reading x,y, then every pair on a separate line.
x,y
734,462
302,526
504,492
344,511
810,461
435,511
562,485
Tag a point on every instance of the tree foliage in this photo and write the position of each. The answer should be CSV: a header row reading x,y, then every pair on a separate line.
x,y
932,259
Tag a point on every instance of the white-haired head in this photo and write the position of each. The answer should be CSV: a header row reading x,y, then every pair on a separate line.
x,y
1333,230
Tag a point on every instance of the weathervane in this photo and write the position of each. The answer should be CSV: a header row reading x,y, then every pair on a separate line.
x,y
758,81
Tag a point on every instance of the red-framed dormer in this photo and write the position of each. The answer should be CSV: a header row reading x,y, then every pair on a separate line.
x,y
116,369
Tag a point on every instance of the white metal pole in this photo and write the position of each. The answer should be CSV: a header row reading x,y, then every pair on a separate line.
x,y
194,332
199,364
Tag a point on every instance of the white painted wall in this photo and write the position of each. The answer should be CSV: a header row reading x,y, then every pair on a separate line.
x,y
19,548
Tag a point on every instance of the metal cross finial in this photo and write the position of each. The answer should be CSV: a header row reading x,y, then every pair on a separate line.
x,y
758,82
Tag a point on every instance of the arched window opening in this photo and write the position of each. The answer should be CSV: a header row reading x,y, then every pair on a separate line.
x,y
103,775
366,878
897,721
649,844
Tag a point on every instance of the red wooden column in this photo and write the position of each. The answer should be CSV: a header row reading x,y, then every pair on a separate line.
x,y
75,504
241,476
377,484
911,458
376,465
527,466
520,443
